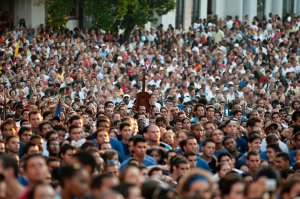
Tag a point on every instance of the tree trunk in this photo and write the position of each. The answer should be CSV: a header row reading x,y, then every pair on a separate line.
x,y
127,33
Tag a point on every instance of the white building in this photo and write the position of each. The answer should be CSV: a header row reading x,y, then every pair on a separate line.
x,y
185,13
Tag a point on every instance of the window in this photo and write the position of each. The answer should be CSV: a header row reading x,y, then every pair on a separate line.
x,y
74,14
179,12
196,10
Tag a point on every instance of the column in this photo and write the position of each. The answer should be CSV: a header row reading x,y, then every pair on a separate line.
x,y
37,14
218,7
169,18
277,7
268,7
203,9
250,8
188,9
234,7
297,7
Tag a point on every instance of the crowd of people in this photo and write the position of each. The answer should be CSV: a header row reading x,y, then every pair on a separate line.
x,y
222,120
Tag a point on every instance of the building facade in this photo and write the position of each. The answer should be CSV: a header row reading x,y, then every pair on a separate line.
x,y
185,13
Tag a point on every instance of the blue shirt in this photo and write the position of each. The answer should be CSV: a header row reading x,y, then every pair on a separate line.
x,y
116,145
148,161
202,164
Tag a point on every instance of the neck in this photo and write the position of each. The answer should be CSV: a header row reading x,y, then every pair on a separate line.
x,y
125,141
206,158
153,143
138,158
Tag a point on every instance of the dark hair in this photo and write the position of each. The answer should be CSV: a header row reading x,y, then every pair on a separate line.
x,y
138,139
44,123
225,184
98,180
86,159
285,156
124,189
23,129
123,124
275,147
206,141
28,145
227,138
295,115
268,172
31,157
10,162
252,153
223,154
65,148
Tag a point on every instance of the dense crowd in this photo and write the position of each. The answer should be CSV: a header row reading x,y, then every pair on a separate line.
x,y
222,120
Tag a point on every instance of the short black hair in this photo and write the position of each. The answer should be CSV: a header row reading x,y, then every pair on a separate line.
x,y
8,161
86,159
223,154
138,139
285,156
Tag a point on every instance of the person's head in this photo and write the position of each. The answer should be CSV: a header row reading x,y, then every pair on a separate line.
x,y
2,146
102,135
8,128
290,189
112,166
209,148
74,180
86,160
103,122
132,174
41,191
179,167
9,166
196,181
230,144
192,158
31,149
254,143
209,127
253,161
217,136
230,128
75,133
140,147
126,131
44,127
232,187
296,118
282,161
35,168
152,134
272,150
197,131
53,163
67,153
226,157
223,168
75,120
199,110
35,118
25,134
12,144
190,144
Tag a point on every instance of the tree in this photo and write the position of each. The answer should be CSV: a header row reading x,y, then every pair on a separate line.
x,y
125,14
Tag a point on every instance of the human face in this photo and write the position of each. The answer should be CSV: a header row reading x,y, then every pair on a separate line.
x,y
209,149
13,145
186,124
68,157
153,134
255,145
76,134
253,163
114,170
78,122
192,145
140,149
25,137
198,132
36,170
133,176
78,185
102,137
237,191
227,159
217,136
126,133
201,187
297,121
271,154
8,130
231,128
276,118
210,113
281,164
230,145
168,138
200,111
46,128
33,150
192,160
224,170
209,127
183,169
35,120
54,147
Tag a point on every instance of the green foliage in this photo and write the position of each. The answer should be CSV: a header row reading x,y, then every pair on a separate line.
x,y
125,14
58,11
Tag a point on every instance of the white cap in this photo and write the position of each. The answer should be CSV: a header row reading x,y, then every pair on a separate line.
x,y
120,58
